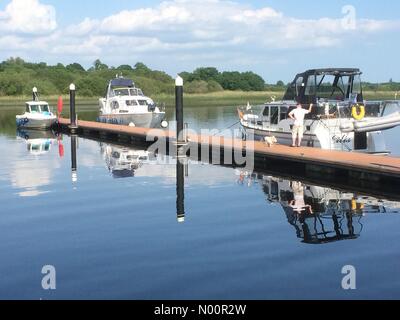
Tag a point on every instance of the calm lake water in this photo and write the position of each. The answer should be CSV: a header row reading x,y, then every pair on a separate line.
x,y
114,232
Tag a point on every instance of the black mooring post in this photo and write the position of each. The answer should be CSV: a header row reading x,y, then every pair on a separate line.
x,y
179,109
74,165
180,190
72,106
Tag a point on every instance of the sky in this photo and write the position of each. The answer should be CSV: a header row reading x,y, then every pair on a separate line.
x,y
275,39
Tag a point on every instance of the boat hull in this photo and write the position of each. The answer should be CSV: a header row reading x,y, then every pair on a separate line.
x,y
35,123
142,120
284,138
375,140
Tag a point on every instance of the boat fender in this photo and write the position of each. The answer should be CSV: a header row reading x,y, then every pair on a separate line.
x,y
358,112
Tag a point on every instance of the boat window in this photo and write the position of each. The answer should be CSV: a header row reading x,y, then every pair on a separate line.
x,y
343,85
35,108
330,87
266,112
283,113
310,86
390,107
274,115
373,110
136,92
131,103
357,88
345,112
44,108
142,102
27,108
121,92
299,85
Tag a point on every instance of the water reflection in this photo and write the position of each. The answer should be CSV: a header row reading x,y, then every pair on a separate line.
x,y
37,142
33,169
123,162
319,214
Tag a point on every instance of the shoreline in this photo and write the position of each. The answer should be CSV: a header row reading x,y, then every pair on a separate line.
x,y
216,99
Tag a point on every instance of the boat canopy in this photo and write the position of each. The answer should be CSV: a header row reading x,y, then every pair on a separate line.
x,y
329,84
122,82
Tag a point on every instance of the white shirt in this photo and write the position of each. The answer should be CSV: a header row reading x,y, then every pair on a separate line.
x,y
299,114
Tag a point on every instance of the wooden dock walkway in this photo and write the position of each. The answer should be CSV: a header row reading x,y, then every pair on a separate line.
x,y
350,165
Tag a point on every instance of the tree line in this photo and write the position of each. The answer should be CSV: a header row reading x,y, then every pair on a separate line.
x,y
18,77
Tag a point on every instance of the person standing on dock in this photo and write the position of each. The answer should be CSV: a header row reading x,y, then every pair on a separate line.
x,y
298,115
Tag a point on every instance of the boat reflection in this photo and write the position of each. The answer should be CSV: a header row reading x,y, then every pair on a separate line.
x,y
319,214
37,142
123,162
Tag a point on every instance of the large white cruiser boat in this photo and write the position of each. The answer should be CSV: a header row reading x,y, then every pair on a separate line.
x,y
340,120
125,104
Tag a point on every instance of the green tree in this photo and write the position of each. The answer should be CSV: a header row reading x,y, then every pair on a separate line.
x,y
125,67
280,83
206,74
98,65
75,67
141,68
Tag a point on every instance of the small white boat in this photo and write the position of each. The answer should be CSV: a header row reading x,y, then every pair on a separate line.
x,y
125,104
37,115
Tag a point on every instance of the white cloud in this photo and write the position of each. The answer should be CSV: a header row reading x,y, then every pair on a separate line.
x,y
181,30
28,16
180,24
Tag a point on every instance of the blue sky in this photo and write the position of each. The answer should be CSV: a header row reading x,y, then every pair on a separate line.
x,y
273,38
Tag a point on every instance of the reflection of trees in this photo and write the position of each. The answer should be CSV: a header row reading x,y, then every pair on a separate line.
x,y
7,119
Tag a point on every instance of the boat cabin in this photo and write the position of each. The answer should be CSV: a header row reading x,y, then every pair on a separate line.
x,y
123,87
319,85
273,114
37,107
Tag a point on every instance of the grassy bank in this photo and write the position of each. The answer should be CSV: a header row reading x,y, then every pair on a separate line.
x,y
225,98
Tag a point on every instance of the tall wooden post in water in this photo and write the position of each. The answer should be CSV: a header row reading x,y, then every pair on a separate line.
x,y
72,110
179,110
180,151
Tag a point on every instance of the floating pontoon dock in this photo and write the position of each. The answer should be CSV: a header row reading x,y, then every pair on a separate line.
x,y
345,165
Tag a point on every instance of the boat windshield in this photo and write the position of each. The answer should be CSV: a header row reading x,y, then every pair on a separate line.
x,y
121,92
35,108
44,108
136,92
320,86
128,92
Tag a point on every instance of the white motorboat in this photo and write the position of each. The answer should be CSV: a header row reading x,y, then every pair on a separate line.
x,y
126,104
340,120
37,115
